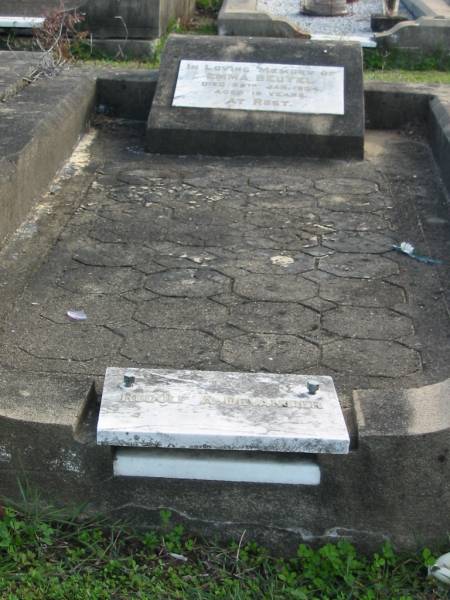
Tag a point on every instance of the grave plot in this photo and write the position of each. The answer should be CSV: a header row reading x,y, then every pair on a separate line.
x,y
220,295
244,265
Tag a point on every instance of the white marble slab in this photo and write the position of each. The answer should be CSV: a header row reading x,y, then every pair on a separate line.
x,y
304,89
222,411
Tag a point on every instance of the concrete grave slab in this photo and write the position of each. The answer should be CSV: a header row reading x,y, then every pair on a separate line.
x,y
221,411
230,96
392,479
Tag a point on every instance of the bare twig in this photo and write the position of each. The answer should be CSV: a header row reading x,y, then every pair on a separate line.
x,y
120,52
54,39
239,546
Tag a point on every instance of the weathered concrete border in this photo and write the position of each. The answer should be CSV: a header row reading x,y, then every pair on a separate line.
x,y
15,74
439,132
39,127
392,106
425,35
115,89
428,8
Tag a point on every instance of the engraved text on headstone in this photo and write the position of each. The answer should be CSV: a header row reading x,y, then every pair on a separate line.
x,y
305,89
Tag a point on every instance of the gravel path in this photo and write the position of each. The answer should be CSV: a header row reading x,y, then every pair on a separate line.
x,y
354,26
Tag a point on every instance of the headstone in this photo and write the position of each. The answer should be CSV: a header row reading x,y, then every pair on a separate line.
x,y
122,19
258,96
206,410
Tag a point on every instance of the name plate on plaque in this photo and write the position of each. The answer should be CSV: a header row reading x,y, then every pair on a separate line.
x,y
302,89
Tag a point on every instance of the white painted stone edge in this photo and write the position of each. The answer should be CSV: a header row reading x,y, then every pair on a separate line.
x,y
215,466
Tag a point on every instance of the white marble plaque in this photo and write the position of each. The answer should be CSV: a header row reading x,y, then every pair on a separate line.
x,y
221,411
303,89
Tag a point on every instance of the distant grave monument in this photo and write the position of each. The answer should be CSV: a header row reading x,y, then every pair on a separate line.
x,y
258,96
120,19
136,19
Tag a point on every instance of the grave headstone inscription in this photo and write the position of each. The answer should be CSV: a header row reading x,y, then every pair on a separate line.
x,y
258,96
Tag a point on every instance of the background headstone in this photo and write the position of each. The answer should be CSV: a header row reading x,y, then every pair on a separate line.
x,y
123,19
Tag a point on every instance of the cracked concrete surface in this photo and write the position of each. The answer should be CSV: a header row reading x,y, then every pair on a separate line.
x,y
234,264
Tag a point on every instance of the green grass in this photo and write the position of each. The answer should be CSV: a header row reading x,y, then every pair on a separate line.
x,y
399,76
402,66
209,5
51,555
404,60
